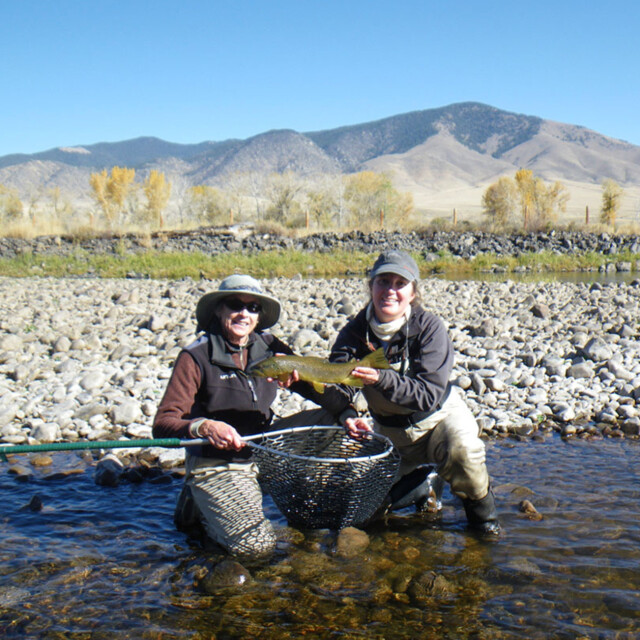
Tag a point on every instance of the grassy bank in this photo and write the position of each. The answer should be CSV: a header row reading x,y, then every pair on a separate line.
x,y
155,264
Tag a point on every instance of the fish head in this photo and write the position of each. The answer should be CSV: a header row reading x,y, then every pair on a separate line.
x,y
267,368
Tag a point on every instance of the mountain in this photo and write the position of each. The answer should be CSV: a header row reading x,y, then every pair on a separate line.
x,y
446,157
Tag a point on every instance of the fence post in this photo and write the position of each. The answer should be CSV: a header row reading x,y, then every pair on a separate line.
x,y
586,215
455,217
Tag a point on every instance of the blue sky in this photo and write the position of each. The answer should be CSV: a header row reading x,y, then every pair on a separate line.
x,y
81,71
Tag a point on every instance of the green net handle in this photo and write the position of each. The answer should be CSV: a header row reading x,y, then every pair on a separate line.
x,y
98,444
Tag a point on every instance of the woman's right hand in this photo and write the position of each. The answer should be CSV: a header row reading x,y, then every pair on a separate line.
x,y
357,428
221,435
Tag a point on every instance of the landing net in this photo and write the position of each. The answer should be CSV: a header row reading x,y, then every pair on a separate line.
x,y
321,478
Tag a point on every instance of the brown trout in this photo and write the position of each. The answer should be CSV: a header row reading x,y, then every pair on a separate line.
x,y
318,371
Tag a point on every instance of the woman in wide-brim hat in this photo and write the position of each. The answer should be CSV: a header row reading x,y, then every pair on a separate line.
x,y
211,395
238,285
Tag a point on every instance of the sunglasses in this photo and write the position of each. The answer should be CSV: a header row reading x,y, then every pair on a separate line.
x,y
235,304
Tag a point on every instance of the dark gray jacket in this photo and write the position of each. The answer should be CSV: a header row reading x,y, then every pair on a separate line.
x,y
421,355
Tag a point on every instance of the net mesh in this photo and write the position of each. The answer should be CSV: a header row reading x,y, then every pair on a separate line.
x,y
321,478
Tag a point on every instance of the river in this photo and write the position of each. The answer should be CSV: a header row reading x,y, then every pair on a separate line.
x,y
79,560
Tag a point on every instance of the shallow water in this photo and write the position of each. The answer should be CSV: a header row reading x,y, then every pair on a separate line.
x,y
585,277
100,562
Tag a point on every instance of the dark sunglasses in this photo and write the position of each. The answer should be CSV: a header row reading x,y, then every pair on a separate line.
x,y
235,304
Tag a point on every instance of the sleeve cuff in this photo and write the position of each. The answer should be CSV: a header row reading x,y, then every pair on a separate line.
x,y
194,426
347,413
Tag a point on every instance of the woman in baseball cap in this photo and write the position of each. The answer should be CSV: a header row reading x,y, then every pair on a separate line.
x,y
413,403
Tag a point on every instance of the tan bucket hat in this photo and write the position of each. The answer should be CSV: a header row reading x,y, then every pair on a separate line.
x,y
236,284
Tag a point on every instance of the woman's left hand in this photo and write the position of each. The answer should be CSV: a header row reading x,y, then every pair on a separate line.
x,y
285,384
366,374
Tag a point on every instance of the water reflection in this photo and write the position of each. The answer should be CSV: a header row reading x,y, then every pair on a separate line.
x,y
98,562
588,277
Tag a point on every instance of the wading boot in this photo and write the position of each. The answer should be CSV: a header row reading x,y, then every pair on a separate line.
x,y
482,515
186,516
416,488
422,487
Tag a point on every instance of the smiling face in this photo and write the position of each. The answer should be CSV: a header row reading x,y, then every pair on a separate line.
x,y
391,294
238,321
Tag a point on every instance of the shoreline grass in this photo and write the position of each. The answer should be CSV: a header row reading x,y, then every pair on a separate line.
x,y
289,263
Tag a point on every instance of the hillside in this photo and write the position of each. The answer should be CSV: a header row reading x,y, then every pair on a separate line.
x,y
445,157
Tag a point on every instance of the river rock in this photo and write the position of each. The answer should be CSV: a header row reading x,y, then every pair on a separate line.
x,y
351,542
108,471
528,373
227,573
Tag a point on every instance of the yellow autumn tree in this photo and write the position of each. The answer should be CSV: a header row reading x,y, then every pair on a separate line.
x,y
207,204
157,191
371,197
500,202
539,204
11,207
111,191
611,200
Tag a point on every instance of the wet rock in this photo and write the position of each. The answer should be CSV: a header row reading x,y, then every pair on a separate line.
x,y
526,507
22,473
108,471
523,568
41,460
431,584
351,542
227,573
35,504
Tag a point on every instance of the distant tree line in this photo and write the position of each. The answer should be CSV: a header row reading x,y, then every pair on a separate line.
x,y
120,200
365,200
527,202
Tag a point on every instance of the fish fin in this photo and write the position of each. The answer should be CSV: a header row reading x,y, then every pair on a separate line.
x,y
375,360
318,386
352,381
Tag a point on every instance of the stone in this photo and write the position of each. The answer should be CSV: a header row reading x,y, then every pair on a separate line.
x,y
351,542
125,413
108,471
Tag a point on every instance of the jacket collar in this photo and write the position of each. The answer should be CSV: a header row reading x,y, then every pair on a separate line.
x,y
220,350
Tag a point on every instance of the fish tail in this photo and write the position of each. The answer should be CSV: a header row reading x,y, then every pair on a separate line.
x,y
375,360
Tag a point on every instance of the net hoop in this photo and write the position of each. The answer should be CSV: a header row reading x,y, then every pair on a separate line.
x,y
370,435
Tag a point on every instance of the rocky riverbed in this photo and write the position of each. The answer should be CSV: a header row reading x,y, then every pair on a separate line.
x,y
89,359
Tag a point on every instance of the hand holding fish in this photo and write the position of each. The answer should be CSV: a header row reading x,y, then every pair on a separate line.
x,y
319,372
221,435
366,374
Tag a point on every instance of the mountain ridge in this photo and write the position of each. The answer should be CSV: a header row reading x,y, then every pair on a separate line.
x,y
429,153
